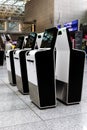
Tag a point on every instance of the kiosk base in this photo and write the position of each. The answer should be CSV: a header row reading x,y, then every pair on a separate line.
x,y
21,71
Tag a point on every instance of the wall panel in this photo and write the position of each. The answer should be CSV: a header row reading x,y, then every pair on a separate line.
x,y
68,10
42,11
48,13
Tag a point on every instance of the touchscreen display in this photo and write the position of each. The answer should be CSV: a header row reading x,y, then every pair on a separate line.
x,y
30,43
49,38
20,42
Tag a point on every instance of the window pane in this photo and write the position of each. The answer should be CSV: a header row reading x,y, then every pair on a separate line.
x,y
13,26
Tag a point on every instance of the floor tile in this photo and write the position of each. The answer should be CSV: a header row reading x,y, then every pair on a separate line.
x,y
30,126
61,110
12,103
16,117
74,122
9,100
24,98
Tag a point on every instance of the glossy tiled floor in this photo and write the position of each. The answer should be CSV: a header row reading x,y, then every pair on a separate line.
x,y
17,112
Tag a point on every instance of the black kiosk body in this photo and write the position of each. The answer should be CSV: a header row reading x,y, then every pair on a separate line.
x,y
20,64
40,67
1,57
69,69
10,67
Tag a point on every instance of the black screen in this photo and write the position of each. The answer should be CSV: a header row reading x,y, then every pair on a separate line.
x,y
20,41
31,40
49,38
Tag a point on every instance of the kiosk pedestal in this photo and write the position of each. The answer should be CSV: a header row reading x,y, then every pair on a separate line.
x,y
41,77
69,69
10,67
21,71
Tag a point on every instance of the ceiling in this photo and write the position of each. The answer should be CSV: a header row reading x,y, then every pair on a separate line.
x,y
12,8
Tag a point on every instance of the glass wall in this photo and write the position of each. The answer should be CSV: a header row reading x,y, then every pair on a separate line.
x,y
15,26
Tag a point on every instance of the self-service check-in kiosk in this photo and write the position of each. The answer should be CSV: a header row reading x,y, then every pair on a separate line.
x,y
10,61
69,69
40,67
10,67
20,64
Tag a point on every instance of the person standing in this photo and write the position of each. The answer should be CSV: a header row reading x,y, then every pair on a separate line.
x,y
8,44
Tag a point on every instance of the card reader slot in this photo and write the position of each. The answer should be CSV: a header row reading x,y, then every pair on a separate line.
x,y
7,56
30,60
16,58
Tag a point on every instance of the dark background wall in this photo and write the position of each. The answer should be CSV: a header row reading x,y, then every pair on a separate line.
x,y
48,13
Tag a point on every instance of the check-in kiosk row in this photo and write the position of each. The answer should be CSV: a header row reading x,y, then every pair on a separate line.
x,y
22,42
69,69
42,69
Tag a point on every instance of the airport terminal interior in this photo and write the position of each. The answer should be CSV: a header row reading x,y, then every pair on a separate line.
x,y
43,65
